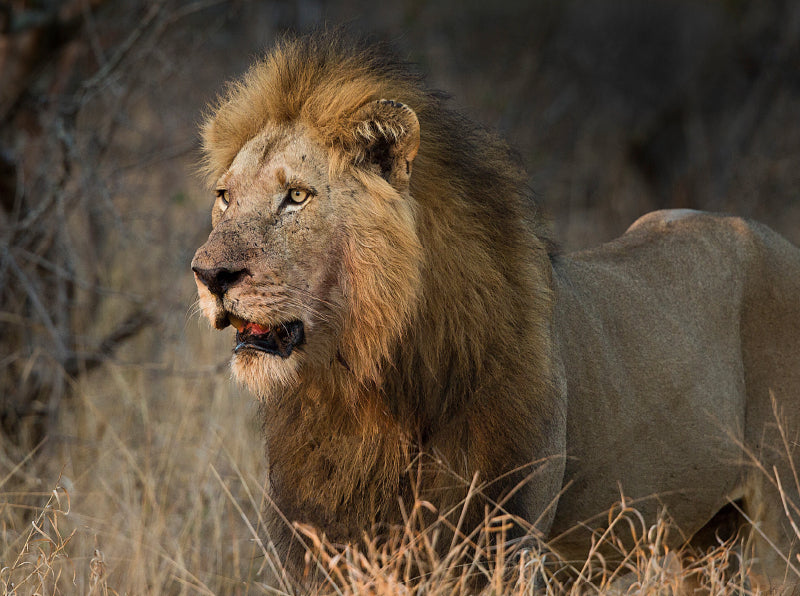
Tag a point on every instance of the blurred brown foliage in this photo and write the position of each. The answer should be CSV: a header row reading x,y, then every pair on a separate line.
x,y
52,220
617,107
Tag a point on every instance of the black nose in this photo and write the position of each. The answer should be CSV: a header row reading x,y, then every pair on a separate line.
x,y
220,279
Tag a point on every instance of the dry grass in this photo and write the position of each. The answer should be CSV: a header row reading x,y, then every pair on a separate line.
x,y
161,469
643,564
159,492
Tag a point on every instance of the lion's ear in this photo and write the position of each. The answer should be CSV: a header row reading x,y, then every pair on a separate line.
x,y
388,134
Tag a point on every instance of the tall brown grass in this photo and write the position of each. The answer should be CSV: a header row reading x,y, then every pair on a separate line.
x,y
161,493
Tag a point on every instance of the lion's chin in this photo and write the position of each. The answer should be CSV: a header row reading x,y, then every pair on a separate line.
x,y
263,374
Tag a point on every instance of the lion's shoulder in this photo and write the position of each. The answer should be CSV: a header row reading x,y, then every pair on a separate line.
x,y
692,222
690,232
667,251
696,233
662,217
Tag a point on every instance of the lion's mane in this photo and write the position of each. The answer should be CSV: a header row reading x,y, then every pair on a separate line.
x,y
457,365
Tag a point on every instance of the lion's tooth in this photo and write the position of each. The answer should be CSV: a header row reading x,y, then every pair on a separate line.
x,y
237,322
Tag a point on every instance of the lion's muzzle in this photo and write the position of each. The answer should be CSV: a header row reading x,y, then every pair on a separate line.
x,y
278,340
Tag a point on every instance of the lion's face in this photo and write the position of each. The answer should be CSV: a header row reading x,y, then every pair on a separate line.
x,y
309,262
272,266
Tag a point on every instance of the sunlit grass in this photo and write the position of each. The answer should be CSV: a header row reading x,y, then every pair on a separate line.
x,y
155,487
163,558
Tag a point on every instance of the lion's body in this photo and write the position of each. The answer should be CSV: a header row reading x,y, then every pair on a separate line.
x,y
408,332
672,338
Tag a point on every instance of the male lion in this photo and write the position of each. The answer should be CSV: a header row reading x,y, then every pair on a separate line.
x,y
395,302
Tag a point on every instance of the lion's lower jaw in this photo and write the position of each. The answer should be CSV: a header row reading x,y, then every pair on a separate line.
x,y
264,374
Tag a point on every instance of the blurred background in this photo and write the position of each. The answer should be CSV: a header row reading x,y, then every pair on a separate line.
x,y
122,437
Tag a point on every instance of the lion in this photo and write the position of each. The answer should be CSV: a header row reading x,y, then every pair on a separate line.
x,y
396,300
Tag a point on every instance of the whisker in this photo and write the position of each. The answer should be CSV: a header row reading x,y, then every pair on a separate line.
x,y
332,311
317,313
312,296
276,299
193,309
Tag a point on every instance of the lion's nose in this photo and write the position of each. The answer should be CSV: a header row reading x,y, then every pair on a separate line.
x,y
220,279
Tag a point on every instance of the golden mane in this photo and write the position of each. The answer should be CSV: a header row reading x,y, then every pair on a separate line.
x,y
450,304
319,80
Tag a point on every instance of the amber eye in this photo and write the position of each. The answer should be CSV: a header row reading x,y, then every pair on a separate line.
x,y
222,195
298,196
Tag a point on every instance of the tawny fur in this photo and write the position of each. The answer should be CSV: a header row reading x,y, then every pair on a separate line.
x,y
443,339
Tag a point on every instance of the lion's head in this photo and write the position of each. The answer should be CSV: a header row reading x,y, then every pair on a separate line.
x,y
338,216
314,256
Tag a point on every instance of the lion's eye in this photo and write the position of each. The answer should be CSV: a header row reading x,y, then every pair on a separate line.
x,y
222,195
298,196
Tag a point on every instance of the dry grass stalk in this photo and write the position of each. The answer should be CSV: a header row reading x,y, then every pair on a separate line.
x,y
37,566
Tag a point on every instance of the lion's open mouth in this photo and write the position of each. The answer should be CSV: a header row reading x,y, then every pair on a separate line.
x,y
279,340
